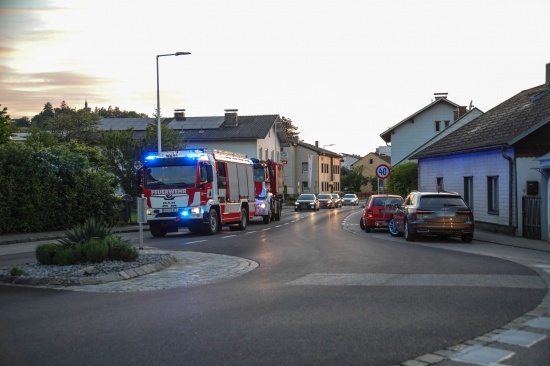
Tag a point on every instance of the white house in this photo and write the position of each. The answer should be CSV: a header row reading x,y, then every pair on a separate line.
x,y
261,136
499,162
420,127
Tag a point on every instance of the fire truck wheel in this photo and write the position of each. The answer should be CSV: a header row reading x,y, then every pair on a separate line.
x,y
213,225
244,219
157,230
278,212
267,218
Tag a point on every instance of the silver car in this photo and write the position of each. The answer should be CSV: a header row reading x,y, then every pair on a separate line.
x,y
350,199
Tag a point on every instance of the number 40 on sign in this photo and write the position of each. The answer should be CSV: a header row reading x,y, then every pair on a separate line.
x,y
382,171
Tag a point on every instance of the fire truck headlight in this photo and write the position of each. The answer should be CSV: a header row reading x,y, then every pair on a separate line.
x,y
149,212
196,210
261,205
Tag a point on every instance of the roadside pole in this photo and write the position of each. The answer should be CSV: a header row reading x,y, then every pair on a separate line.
x,y
141,217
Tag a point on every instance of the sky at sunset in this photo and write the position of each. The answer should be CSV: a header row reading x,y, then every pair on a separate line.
x,y
344,71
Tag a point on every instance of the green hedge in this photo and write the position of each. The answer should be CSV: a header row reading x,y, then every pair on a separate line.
x,y
44,189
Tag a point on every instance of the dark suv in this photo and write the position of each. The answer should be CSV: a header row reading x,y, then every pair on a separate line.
x,y
434,213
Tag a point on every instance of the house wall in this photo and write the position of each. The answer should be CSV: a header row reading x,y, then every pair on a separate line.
x,y
289,170
370,169
270,147
409,136
245,147
302,176
527,170
479,166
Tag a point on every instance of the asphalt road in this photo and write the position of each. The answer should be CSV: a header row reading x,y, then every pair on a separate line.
x,y
322,295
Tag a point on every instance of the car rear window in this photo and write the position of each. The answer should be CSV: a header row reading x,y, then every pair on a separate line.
x,y
436,202
387,201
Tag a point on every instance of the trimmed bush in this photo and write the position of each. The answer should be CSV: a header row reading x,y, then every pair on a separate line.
x,y
95,250
121,250
69,256
45,253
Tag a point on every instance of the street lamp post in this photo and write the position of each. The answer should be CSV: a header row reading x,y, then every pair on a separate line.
x,y
325,171
158,94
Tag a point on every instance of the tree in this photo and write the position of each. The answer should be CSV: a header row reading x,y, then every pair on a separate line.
x,y
80,126
40,119
403,179
117,113
23,122
171,139
121,150
5,126
353,179
290,129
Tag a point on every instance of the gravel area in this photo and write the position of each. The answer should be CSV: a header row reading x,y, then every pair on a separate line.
x,y
85,270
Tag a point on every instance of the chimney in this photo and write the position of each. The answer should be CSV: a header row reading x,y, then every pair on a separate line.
x,y
548,74
459,112
231,118
179,114
316,143
440,96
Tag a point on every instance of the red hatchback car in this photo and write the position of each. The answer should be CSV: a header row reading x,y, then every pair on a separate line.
x,y
379,211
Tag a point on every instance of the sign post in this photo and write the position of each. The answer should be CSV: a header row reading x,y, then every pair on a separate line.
x,y
382,172
141,217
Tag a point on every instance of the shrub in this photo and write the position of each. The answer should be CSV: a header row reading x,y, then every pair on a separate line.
x,y
83,233
121,250
69,256
45,253
15,270
95,250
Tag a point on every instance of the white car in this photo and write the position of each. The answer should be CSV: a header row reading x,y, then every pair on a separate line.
x,y
350,199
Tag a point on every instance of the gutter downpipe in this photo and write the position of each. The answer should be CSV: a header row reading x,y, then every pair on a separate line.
x,y
510,185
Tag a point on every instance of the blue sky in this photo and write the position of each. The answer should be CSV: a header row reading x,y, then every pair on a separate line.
x,y
344,71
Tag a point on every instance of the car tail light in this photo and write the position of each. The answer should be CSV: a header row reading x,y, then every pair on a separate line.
x,y
369,214
424,212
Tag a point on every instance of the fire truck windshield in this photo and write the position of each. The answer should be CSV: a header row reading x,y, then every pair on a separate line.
x,y
176,176
259,174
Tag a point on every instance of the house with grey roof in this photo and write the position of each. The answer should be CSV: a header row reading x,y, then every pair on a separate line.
x,y
260,136
417,129
500,163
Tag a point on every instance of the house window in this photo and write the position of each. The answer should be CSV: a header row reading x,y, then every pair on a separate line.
x,y
304,167
447,124
492,195
439,184
469,191
305,186
437,126
371,161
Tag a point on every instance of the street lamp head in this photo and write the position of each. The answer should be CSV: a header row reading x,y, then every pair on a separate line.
x,y
182,53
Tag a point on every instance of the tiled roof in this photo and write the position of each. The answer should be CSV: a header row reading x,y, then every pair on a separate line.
x,y
122,124
205,128
248,127
503,125
320,150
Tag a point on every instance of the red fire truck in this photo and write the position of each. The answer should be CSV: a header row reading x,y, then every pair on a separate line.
x,y
197,189
268,179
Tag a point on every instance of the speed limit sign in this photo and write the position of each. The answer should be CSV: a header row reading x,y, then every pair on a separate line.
x,y
382,171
